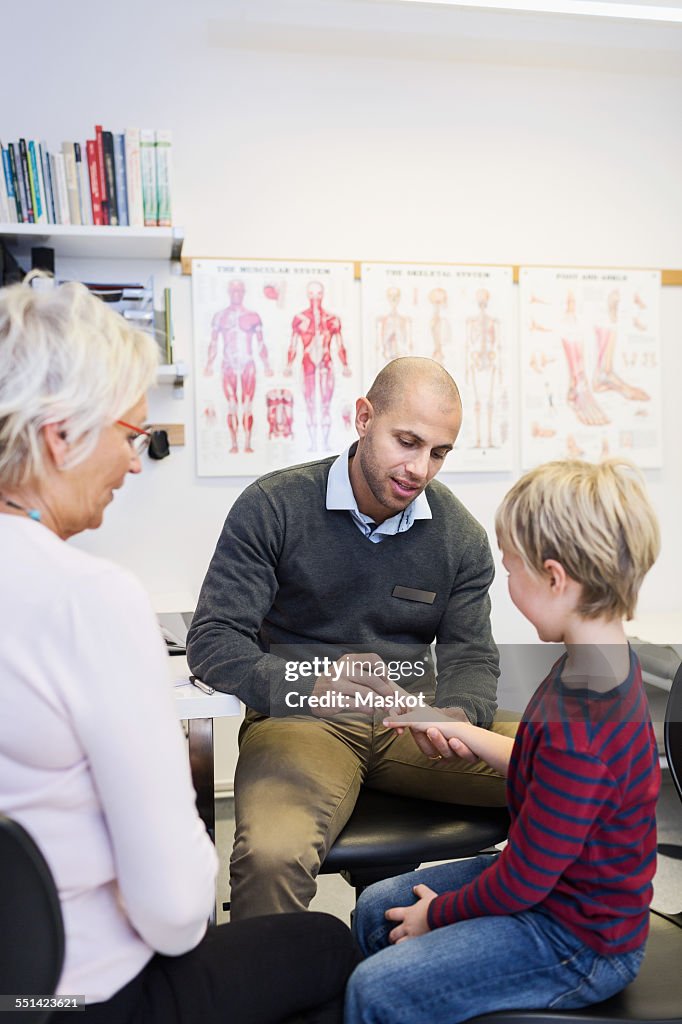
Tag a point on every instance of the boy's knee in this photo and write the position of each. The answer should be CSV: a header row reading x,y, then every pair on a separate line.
x,y
360,985
374,899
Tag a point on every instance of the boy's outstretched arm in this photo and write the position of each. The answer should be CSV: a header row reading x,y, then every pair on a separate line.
x,y
451,738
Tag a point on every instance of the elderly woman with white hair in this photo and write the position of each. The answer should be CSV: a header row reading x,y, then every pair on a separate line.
x,y
114,814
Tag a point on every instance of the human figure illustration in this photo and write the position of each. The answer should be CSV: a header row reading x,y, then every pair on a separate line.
x,y
483,369
580,396
605,379
318,331
280,410
440,325
537,430
539,361
394,331
238,327
276,291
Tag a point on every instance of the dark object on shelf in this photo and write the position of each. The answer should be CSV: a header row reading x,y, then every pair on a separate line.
x,y
10,271
158,445
42,258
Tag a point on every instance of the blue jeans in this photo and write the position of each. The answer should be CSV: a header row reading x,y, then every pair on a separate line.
x,y
520,961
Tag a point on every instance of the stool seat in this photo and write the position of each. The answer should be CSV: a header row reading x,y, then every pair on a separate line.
x,y
655,996
387,835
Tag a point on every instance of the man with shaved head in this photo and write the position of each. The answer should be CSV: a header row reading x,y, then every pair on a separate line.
x,y
328,586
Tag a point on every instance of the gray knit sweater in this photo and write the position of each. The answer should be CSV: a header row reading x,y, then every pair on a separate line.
x,y
292,577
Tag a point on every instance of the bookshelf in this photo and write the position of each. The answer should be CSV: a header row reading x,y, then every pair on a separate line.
x,y
88,242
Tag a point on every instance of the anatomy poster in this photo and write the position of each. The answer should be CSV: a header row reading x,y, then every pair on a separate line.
x,y
462,317
277,363
590,354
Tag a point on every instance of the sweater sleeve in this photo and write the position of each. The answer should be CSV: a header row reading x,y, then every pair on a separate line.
x,y
568,791
119,697
467,657
237,593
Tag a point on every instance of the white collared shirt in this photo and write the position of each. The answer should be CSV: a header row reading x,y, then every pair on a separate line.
x,y
340,496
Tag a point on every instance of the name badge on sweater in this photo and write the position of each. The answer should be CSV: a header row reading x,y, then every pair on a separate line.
x,y
410,594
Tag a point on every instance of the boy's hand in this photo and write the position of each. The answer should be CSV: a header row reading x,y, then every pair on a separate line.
x,y
443,735
448,737
412,921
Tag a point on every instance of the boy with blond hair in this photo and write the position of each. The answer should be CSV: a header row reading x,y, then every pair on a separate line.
x,y
559,919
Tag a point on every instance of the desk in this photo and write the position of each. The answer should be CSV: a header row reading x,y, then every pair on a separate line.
x,y
198,710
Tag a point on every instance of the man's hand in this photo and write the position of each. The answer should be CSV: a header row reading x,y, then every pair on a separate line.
x,y
449,737
454,747
361,675
412,920
423,724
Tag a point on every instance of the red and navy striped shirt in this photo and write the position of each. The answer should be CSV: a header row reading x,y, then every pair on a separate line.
x,y
582,787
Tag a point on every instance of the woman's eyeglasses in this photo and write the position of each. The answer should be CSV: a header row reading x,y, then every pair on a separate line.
x,y
139,439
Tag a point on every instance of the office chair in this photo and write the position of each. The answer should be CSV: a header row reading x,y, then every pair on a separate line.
x,y
31,928
388,835
655,996
672,741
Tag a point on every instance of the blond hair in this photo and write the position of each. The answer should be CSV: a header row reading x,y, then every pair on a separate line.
x,y
65,357
595,519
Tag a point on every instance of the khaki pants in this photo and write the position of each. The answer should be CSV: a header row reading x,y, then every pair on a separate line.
x,y
296,784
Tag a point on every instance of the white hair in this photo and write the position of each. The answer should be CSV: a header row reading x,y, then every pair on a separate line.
x,y
65,357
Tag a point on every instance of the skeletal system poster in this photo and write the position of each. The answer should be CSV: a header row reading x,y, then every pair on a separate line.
x,y
590,355
277,363
462,317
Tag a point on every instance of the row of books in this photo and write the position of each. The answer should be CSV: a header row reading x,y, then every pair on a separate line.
x,y
117,179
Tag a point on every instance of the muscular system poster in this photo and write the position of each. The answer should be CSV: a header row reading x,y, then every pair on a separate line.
x,y
277,363
462,317
590,365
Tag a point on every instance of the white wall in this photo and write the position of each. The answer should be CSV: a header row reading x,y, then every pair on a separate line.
x,y
356,129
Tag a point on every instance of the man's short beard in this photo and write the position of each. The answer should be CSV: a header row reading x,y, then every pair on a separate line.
x,y
372,481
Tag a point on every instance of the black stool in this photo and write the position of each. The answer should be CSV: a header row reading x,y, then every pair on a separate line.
x,y
388,835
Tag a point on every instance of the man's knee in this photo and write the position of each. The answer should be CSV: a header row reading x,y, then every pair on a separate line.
x,y
266,849
277,856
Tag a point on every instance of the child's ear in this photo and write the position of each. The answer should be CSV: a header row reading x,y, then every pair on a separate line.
x,y
557,575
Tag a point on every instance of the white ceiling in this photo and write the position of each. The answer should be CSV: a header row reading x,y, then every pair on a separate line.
x,y
397,30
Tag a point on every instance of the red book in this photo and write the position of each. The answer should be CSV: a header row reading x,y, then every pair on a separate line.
x,y
103,197
97,212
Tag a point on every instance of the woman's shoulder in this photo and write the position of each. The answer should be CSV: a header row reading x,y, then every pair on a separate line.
x,y
41,563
